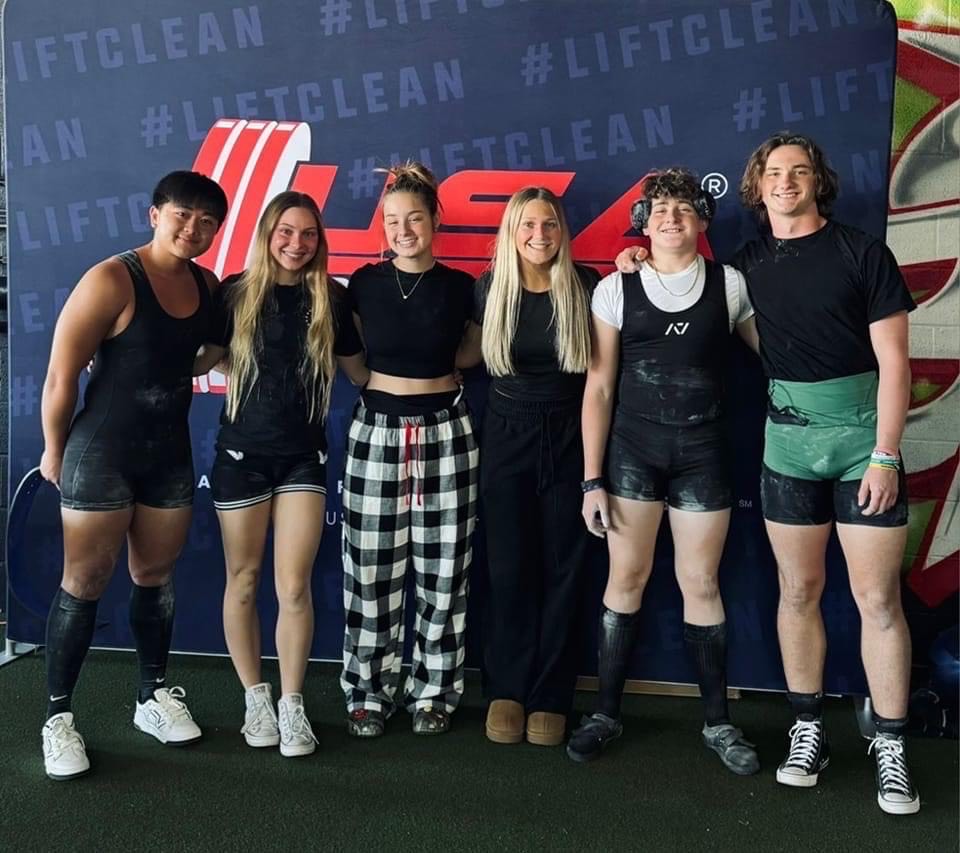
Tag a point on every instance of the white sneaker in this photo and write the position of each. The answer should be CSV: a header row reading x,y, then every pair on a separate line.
x,y
64,752
296,736
260,722
167,718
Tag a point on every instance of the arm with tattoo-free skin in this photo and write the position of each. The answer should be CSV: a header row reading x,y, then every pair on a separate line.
x,y
100,306
889,337
595,419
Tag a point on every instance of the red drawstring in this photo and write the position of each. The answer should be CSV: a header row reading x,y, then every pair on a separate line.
x,y
411,454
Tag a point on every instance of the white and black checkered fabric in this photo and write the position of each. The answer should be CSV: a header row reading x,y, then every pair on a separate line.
x,y
409,497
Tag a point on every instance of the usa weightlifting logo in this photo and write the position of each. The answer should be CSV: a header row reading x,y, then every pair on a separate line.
x,y
255,160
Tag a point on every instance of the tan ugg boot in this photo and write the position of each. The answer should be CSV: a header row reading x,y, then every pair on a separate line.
x,y
505,721
546,729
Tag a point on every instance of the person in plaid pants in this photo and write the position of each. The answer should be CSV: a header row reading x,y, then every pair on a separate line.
x,y
410,485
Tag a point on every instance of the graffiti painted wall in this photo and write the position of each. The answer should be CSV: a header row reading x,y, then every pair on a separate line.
x,y
924,232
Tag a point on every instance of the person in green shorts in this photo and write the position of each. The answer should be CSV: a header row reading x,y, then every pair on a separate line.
x,y
831,310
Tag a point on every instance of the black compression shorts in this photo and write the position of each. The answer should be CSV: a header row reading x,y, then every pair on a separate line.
x,y
240,479
686,466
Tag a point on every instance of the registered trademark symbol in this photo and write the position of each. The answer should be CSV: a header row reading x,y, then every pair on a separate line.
x,y
715,184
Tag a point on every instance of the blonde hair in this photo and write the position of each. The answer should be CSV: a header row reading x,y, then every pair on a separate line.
x,y
569,300
247,299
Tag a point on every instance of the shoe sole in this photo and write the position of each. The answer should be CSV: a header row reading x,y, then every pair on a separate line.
x,y
545,739
899,808
262,741
66,777
501,736
297,751
794,781
166,742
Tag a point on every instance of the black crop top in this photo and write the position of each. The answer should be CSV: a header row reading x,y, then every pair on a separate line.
x,y
416,337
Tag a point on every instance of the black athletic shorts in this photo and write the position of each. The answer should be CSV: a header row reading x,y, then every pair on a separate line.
x,y
99,475
684,465
240,479
791,500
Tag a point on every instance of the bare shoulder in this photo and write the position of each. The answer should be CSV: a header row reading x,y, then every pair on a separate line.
x,y
105,285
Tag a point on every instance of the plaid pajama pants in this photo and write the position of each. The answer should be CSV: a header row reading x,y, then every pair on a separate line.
x,y
409,497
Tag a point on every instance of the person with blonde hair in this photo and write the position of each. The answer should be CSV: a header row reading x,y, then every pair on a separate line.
x,y
531,324
281,326
410,485
653,433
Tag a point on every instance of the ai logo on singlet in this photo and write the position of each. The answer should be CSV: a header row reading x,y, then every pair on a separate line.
x,y
677,328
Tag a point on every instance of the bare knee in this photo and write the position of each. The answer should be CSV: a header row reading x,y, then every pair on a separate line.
x,y
879,607
628,584
156,574
242,585
86,581
800,593
699,586
293,596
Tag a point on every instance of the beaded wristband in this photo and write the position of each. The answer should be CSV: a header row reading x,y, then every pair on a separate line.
x,y
591,485
882,459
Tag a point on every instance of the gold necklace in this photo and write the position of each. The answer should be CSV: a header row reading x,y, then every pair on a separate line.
x,y
405,295
696,279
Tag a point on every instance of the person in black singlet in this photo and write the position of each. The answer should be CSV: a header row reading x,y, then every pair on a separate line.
x,y
410,485
282,325
531,325
831,308
124,464
659,342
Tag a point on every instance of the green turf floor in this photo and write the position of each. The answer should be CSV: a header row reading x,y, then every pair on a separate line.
x,y
656,789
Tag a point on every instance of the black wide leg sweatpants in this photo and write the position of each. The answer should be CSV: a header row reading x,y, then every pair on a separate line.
x,y
531,462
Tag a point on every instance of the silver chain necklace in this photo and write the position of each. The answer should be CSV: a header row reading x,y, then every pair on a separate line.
x,y
405,295
696,279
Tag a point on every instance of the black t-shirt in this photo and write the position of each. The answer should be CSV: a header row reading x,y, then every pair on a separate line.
x,y
537,374
815,298
416,337
274,414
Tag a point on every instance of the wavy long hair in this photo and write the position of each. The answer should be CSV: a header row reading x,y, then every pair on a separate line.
x,y
827,186
569,300
247,301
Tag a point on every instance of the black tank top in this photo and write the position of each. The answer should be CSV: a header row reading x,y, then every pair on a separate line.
x,y
671,363
142,380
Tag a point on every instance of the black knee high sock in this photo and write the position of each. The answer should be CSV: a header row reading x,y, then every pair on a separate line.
x,y
70,627
707,647
151,621
618,636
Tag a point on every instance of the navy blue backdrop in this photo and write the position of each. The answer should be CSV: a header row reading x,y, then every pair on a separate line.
x,y
103,98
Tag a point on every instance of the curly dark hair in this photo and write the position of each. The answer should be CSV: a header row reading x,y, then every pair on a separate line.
x,y
827,181
675,182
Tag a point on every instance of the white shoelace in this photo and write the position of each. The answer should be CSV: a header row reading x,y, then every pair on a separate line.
x,y
263,714
804,744
298,724
169,700
64,738
892,764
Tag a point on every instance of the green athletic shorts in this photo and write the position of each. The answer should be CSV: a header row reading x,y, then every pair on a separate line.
x,y
818,441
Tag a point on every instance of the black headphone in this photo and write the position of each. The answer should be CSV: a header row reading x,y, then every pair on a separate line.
x,y
703,203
